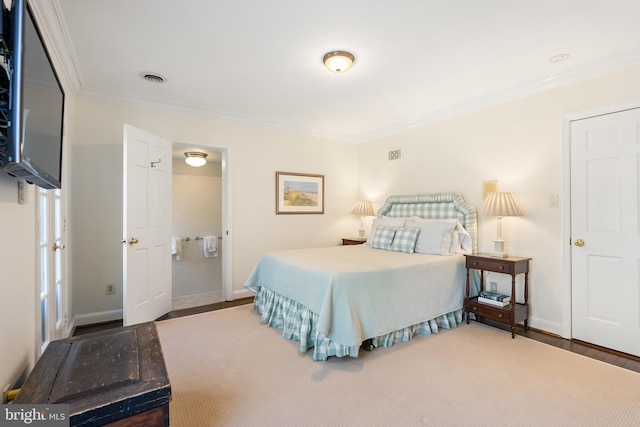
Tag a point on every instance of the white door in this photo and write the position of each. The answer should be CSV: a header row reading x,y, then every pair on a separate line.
x,y
147,226
51,234
605,154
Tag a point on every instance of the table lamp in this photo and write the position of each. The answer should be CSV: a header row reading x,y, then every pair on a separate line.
x,y
500,204
362,208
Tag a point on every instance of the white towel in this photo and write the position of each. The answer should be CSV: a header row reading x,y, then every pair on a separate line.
x,y
176,247
210,246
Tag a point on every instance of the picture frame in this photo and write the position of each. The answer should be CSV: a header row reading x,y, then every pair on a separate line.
x,y
299,193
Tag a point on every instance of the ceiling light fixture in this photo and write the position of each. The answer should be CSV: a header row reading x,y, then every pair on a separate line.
x,y
338,61
195,158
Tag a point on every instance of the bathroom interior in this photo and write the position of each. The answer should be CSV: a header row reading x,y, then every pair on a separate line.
x,y
196,228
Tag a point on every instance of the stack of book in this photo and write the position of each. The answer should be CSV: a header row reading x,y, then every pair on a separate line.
x,y
494,298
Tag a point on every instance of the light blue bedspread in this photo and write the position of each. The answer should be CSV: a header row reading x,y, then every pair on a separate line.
x,y
359,292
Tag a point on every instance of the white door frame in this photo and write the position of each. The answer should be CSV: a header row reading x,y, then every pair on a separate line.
x,y
227,247
566,206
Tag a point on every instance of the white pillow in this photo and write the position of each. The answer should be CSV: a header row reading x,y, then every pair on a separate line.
x,y
386,221
465,245
437,236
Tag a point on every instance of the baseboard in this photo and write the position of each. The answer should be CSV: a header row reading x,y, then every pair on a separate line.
x,y
545,326
98,317
245,293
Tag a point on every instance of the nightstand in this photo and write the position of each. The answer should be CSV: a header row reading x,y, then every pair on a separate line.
x,y
353,240
511,314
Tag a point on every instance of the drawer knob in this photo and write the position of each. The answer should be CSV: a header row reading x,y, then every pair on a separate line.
x,y
475,308
502,267
500,315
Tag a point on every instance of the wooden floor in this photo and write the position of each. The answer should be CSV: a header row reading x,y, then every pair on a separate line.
x,y
612,357
86,329
622,360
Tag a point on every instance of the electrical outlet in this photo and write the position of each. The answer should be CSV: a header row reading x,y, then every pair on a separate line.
x,y
111,288
494,286
5,391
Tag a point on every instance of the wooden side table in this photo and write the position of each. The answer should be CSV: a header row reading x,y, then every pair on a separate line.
x,y
511,314
353,240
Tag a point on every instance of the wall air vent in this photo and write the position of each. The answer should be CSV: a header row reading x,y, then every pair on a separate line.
x,y
395,154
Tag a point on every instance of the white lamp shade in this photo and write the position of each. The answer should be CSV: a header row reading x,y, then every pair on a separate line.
x,y
363,208
500,204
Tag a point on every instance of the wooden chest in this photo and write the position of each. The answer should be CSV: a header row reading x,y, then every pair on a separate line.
x,y
115,377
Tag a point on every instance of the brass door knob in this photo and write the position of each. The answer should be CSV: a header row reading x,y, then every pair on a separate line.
x,y
578,242
56,246
133,241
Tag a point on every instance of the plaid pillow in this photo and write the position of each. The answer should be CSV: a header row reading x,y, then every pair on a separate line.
x,y
383,237
405,240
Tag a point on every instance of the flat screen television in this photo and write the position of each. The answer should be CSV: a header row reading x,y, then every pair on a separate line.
x,y
32,102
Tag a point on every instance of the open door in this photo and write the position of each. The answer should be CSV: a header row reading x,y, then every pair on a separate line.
x,y
146,226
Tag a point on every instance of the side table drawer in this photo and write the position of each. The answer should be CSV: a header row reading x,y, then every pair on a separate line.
x,y
489,266
484,310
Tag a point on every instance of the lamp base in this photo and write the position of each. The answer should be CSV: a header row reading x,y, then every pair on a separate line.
x,y
499,246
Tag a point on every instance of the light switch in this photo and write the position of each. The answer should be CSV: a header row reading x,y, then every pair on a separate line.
x,y
553,200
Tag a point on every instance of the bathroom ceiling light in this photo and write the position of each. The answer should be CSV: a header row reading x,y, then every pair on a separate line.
x,y
338,61
195,158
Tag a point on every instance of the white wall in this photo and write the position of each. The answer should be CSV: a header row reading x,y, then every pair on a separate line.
x,y
18,296
255,156
97,228
519,144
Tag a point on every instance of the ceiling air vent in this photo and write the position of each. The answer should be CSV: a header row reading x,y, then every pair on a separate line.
x,y
152,77
395,154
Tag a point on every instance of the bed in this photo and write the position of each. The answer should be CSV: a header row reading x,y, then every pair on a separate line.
x,y
402,282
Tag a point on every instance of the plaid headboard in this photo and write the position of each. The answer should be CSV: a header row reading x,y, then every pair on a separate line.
x,y
436,206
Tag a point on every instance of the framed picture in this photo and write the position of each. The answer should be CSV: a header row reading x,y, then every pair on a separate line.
x,y
299,193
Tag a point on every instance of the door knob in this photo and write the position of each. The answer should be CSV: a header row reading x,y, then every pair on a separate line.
x,y
578,242
57,246
133,241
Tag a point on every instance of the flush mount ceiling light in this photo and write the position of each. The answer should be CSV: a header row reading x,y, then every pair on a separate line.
x,y
195,158
338,61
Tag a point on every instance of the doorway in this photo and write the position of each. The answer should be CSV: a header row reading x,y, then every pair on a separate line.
x,y
198,244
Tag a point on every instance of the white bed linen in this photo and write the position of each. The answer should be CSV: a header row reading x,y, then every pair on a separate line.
x,y
359,292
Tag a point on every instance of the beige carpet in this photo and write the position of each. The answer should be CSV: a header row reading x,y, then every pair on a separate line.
x,y
226,369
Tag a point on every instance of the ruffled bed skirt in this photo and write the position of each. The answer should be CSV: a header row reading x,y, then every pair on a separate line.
x,y
298,323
